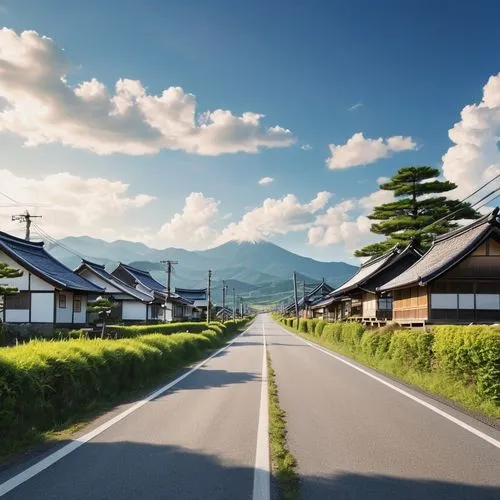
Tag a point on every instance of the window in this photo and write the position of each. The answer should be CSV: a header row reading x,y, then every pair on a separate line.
x,y
62,301
18,301
444,300
488,301
77,304
466,301
385,303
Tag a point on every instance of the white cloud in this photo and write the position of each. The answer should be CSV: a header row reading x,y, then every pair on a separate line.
x,y
474,157
356,106
275,217
71,204
306,147
40,106
361,151
266,180
193,227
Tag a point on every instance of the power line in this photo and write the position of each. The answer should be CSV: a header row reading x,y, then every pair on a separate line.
x,y
54,241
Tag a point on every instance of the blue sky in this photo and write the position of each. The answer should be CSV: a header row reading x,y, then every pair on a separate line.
x,y
412,67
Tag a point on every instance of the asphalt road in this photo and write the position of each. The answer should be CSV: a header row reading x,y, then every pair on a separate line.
x,y
196,441
205,438
356,438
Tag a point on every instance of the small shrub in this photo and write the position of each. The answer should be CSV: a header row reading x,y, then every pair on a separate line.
x,y
318,330
303,325
412,348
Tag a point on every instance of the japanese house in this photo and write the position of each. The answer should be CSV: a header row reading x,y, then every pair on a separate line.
x,y
307,301
198,297
173,308
456,281
131,304
358,298
49,292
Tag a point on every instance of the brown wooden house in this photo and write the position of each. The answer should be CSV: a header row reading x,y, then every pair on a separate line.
x,y
456,281
358,299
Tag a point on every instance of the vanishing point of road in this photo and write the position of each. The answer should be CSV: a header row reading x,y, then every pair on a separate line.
x,y
355,433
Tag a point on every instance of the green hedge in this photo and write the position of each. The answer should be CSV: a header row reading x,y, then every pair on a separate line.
x,y
43,384
469,355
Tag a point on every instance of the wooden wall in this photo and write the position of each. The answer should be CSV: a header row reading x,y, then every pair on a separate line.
x,y
411,304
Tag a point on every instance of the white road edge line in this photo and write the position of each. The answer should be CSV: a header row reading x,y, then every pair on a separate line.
x,y
429,406
46,462
262,471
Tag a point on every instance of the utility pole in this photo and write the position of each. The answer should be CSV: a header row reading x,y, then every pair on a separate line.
x,y
234,304
209,294
224,287
241,307
169,266
26,219
295,298
304,305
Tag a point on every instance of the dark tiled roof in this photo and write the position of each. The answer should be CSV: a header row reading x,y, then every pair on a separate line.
x,y
192,294
310,299
38,261
100,271
144,278
366,271
446,251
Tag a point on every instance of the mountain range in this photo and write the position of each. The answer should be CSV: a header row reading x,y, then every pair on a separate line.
x,y
260,272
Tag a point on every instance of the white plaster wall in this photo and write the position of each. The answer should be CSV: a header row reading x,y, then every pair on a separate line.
x,y
42,307
64,315
39,285
17,316
93,278
133,310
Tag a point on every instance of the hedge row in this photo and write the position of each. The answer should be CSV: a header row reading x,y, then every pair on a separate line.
x,y
164,328
43,384
468,354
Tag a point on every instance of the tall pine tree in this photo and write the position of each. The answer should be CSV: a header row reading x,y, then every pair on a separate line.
x,y
409,216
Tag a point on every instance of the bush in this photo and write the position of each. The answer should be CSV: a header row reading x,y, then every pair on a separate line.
x,y
122,332
471,354
45,383
303,325
318,330
311,325
412,349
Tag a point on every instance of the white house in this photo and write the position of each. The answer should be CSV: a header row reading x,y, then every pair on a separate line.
x,y
132,304
49,292
163,308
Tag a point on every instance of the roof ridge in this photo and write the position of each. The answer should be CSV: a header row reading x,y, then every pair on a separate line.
x,y
490,218
377,258
101,266
15,239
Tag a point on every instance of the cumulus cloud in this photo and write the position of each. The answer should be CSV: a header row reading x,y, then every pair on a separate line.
x,y
274,217
266,180
359,150
193,227
71,204
40,106
306,147
474,157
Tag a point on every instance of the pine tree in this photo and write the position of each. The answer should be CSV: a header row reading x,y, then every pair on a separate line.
x,y
408,217
102,307
8,272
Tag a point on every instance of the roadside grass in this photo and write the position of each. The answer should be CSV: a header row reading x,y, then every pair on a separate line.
x,y
33,439
283,462
433,382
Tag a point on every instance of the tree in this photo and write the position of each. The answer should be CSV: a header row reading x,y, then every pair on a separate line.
x,y
8,272
411,216
102,307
